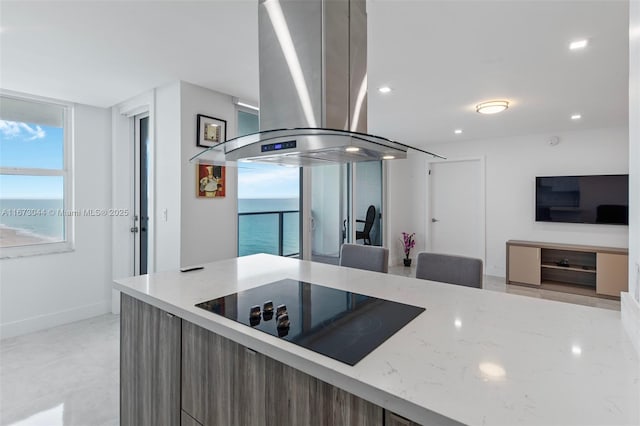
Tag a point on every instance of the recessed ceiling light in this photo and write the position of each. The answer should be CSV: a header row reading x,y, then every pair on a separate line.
x,y
388,157
576,350
578,44
492,107
352,149
384,89
457,131
576,117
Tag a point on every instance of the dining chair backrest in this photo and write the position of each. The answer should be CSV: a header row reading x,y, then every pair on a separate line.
x,y
371,258
459,270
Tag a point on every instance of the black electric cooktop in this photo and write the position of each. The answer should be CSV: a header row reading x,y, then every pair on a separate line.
x,y
341,325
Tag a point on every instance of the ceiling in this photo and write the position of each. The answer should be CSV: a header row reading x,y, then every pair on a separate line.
x,y
440,57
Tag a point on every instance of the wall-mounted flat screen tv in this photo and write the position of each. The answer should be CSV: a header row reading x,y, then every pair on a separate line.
x,y
601,199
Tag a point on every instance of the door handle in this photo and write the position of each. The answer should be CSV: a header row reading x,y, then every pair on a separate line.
x,y
134,229
434,220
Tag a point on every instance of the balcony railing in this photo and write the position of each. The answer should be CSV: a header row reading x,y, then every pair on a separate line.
x,y
272,232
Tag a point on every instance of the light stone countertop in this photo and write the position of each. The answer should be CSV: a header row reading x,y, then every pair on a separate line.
x,y
474,356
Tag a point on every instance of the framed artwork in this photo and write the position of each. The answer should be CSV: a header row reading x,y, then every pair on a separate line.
x,y
211,131
211,180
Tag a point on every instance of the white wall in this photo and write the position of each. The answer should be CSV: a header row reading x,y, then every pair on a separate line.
x,y
406,204
631,301
208,226
168,170
511,167
44,291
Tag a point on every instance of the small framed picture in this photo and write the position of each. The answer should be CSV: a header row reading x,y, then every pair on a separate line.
x,y
211,181
211,131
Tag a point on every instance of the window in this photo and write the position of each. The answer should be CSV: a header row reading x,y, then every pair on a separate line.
x,y
35,215
268,203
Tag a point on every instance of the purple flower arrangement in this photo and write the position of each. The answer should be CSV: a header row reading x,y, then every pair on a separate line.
x,y
408,243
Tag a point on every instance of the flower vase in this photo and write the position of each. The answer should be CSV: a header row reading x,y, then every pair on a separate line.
x,y
407,261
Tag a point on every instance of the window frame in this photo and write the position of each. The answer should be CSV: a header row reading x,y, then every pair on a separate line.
x,y
68,244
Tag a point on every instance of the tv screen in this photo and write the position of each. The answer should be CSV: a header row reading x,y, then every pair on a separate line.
x,y
602,199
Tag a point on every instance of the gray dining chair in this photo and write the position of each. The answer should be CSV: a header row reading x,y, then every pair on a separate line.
x,y
371,258
459,270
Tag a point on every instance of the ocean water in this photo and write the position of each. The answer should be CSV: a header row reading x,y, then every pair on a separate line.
x,y
42,218
258,233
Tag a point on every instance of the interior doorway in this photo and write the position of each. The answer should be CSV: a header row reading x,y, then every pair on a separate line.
x,y
456,220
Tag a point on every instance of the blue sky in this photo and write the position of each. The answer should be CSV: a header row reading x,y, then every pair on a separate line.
x,y
264,180
28,145
267,181
32,146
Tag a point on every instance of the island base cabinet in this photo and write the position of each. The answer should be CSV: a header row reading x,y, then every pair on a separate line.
x,y
299,399
187,420
149,365
391,419
224,383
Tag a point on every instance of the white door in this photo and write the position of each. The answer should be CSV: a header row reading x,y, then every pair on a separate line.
x,y
457,208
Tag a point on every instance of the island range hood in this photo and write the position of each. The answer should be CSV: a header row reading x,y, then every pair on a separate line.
x,y
313,89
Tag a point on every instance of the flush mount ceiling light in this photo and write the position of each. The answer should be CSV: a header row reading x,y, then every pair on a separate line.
x,y
352,149
578,44
384,89
576,117
492,107
457,131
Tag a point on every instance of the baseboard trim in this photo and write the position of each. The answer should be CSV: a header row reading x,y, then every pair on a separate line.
x,y
42,322
630,313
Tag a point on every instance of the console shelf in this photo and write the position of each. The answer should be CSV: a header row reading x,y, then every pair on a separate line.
x,y
569,268
579,269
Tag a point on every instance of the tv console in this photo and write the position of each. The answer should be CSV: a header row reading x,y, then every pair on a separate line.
x,y
579,269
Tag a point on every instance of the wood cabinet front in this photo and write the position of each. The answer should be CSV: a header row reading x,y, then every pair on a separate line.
x,y
613,273
524,265
224,383
392,419
149,365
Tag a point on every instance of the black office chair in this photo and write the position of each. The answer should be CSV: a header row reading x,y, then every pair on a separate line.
x,y
368,224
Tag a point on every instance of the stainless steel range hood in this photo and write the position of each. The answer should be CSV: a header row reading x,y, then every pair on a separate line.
x,y
313,89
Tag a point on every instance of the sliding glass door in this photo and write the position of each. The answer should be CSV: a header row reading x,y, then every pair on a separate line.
x,y
344,207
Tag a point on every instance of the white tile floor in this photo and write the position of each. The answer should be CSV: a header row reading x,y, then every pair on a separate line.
x,y
68,375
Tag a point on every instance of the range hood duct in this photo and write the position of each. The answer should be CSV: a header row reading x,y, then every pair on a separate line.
x,y
313,88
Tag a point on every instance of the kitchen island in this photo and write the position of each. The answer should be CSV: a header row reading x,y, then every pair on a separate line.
x,y
472,357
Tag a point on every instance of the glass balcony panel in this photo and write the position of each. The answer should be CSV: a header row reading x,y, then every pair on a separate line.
x,y
258,233
291,234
